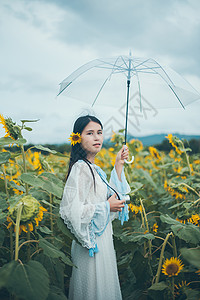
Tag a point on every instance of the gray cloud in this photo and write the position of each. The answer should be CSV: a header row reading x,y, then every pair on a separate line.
x,y
44,41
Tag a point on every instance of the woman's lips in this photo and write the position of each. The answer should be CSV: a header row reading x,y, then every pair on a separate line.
x,y
97,145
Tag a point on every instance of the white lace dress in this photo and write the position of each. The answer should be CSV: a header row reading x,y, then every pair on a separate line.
x,y
87,214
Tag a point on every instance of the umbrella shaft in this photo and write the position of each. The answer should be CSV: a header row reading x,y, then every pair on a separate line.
x,y
127,103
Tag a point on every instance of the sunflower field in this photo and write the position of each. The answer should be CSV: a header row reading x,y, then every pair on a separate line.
x,y
158,249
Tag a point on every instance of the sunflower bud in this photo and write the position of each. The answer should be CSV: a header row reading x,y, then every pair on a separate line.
x,y
11,128
30,210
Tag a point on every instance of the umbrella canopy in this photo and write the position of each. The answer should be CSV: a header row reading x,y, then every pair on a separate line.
x,y
103,81
115,81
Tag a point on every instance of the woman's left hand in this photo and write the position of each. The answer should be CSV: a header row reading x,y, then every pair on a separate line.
x,y
122,155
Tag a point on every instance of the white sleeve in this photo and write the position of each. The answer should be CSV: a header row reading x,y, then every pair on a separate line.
x,y
75,209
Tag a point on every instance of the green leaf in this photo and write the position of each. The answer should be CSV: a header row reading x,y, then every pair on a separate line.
x,y
40,147
167,219
141,268
17,187
145,174
28,128
121,130
56,294
6,141
23,121
63,227
46,181
189,233
176,205
159,290
4,157
3,203
160,286
136,186
48,203
45,230
192,255
191,294
5,273
2,237
2,215
20,141
55,268
136,237
28,281
52,251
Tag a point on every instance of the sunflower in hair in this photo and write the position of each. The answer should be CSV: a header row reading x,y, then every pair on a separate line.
x,y
75,138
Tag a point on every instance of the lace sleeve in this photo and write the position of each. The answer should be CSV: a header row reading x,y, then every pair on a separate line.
x,y
83,218
75,210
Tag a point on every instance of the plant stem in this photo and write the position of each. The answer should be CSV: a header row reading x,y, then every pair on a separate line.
x,y
161,257
189,187
174,245
143,226
5,180
24,164
173,288
51,215
19,211
147,226
29,249
187,158
11,242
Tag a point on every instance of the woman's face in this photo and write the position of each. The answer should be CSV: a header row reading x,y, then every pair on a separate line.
x,y
92,138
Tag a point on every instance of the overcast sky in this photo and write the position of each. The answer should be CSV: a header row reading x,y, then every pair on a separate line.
x,y
42,42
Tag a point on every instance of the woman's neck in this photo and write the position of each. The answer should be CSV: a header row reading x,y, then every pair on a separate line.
x,y
91,157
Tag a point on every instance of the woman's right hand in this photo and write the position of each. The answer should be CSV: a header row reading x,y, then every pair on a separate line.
x,y
115,204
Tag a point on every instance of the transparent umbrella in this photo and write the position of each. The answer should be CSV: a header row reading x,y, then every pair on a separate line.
x,y
113,81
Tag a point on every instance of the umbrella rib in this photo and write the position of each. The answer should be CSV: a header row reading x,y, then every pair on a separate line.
x,y
164,72
101,89
64,88
167,82
176,96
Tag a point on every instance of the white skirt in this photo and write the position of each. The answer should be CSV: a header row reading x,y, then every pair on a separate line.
x,y
96,278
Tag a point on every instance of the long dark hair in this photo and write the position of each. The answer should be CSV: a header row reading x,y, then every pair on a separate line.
x,y
77,152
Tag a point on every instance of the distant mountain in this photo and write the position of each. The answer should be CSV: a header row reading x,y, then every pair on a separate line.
x,y
155,139
158,138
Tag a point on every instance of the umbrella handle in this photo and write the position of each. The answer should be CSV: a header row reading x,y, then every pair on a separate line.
x,y
130,161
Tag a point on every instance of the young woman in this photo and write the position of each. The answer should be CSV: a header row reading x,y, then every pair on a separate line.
x,y
89,205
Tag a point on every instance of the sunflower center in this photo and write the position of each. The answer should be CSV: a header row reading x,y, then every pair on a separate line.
x,y
172,269
75,138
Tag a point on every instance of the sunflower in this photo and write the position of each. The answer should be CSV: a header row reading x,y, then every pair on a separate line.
x,y
137,145
32,213
173,140
75,138
173,192
155,227
11,129
113,136
134,208
180,287
172,266
154,153
194,219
